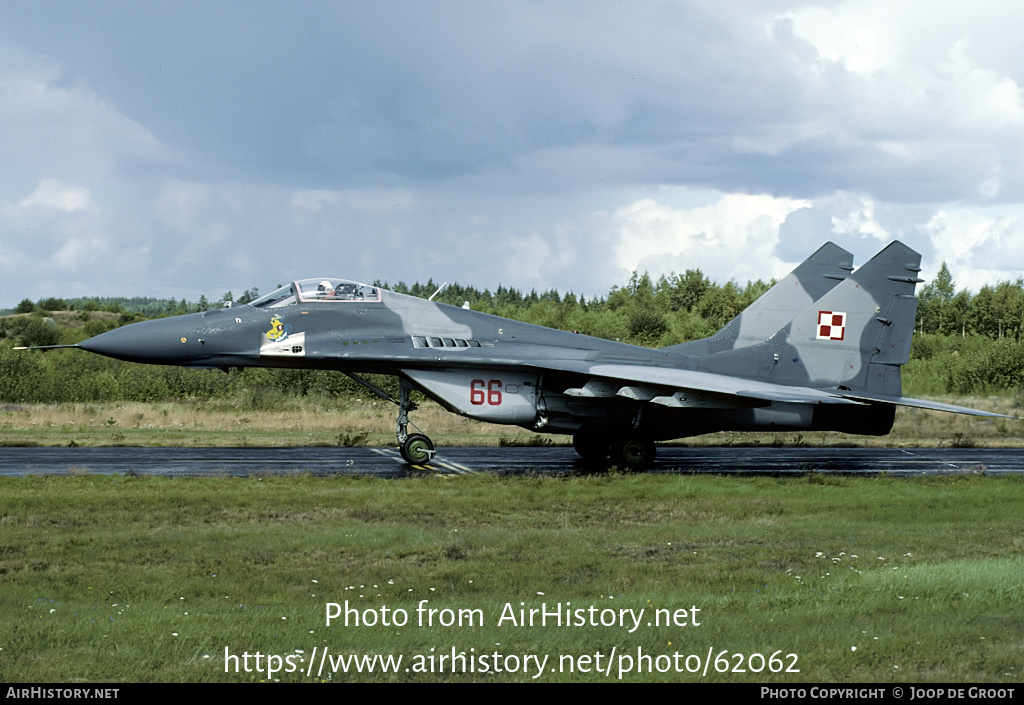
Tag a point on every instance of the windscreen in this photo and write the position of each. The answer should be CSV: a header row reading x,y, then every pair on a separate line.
x,y
285,296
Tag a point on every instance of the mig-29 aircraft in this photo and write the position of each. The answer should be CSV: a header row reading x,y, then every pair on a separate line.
x,y
820,351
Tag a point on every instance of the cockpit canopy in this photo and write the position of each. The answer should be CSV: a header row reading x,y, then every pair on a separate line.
x,y
319,290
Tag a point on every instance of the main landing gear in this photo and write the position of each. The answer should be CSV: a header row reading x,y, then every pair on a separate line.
x,y
625,451
416,448
633,453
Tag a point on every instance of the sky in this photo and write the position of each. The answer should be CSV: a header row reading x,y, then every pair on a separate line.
x,y
174,149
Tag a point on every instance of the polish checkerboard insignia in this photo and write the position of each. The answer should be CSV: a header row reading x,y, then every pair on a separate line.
x,y
831,325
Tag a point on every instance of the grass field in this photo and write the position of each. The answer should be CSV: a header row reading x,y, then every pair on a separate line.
x,y
371,422
126,579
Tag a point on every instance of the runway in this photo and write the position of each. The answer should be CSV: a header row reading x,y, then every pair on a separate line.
x,y
386,462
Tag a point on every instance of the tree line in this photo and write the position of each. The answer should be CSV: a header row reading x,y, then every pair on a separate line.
x,y
996,311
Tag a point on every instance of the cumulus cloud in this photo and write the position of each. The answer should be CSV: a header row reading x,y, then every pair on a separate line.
x,y
734,238
857,217
979,247
933,91
55,194
55,132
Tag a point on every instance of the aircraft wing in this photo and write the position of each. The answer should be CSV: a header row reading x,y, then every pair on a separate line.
x,y
692,380
708,382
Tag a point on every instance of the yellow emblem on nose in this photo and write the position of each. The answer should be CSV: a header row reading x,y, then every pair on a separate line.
x,y
276,331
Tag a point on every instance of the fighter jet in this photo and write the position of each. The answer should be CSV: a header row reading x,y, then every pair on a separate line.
x,y
820,351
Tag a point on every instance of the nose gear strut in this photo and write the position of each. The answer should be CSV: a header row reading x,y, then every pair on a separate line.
x,y
416,448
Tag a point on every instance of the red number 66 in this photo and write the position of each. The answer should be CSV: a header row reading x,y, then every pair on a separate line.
x,y
481,392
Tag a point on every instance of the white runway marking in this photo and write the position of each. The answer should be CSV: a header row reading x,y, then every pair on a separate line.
x,y
434,465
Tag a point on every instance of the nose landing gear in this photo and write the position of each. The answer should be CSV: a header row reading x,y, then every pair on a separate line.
x,y
416,448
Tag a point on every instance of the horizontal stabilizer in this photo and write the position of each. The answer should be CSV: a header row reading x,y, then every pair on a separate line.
x,y
924,404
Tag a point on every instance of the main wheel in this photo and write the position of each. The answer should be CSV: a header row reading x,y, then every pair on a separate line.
x,y
633,452
417,449
590,445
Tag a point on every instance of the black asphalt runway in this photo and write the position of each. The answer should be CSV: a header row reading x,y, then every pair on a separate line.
x,y
386,462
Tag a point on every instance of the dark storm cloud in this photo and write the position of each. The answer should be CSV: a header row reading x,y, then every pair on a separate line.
x,y
416,91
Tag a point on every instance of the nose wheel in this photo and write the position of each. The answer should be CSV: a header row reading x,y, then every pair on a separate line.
x,y
415,448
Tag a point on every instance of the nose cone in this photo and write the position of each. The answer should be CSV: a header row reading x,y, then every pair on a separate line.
x,y
160,342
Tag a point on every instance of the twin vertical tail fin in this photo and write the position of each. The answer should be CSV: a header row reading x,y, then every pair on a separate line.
x,y
853,340
825,328
856,336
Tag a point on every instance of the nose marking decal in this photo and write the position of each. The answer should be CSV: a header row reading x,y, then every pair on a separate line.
x,y
279,330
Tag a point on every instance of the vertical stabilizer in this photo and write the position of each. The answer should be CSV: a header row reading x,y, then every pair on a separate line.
x,y
857,335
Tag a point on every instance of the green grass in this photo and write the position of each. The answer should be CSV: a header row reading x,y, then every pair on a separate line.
x,y
150,579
